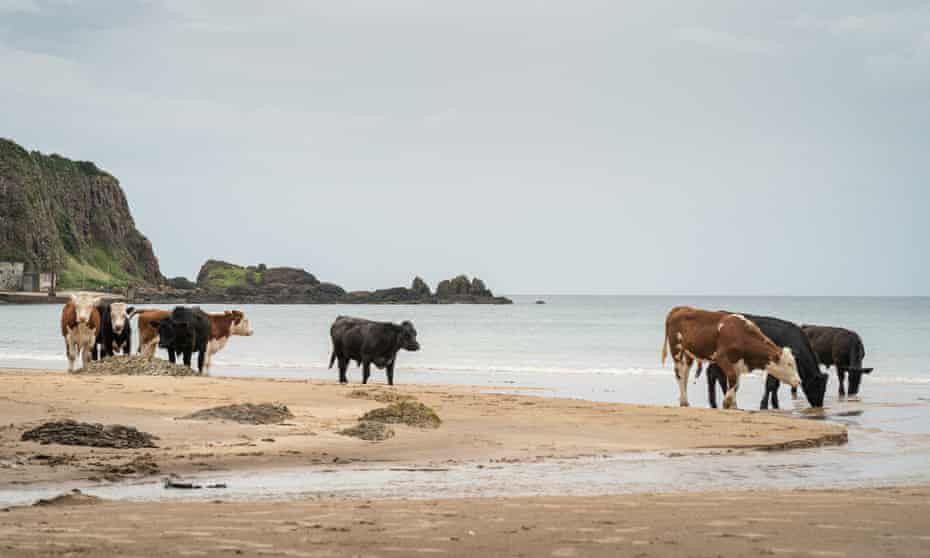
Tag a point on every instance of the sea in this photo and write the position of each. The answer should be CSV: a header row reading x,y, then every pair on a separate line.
x,y
604,348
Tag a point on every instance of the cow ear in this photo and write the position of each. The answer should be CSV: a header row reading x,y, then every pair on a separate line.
x,y
867,370
130,310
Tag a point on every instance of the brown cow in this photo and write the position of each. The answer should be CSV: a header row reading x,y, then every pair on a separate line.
x,y
731,341
80,322
148,333
223,325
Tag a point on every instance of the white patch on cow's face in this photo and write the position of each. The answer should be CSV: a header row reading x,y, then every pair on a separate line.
x,y
118,316
84,305
242,328
785,368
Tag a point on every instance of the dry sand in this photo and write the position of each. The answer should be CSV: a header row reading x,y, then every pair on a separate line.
x,y
821,524
476,426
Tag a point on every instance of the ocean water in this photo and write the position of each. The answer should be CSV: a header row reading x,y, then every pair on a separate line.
x,y
590,347
605,339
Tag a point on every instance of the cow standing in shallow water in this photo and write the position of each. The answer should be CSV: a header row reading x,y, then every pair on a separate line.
x,y
843,349
223,325
368,343
80,322
729,340
784,334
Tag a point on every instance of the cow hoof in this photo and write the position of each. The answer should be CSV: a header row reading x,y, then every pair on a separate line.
x,y
684,404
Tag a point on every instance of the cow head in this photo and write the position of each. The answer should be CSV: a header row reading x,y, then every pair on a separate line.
x,y
119,316
408,337
784,368
168,331
815,387
240,324
855,378
84,305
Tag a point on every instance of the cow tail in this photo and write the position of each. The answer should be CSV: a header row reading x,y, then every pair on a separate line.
x,y
665,345
332,358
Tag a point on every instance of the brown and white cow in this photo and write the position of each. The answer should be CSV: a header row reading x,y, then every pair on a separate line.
x,y
224,325
731,341
148,333
80,322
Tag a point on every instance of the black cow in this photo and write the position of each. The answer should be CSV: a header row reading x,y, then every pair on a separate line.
x,y
842,349
367,343
186,331
784,334
115,333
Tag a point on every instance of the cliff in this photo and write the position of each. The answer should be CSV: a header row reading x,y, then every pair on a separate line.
x,y
73,216
223,282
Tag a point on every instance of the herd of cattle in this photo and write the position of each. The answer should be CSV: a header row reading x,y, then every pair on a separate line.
x,y
731,344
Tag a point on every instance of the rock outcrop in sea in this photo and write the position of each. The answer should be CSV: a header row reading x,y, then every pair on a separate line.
x,y
223,282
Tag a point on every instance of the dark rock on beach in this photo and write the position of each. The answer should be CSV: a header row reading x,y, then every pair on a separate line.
x,y
245,413
73,433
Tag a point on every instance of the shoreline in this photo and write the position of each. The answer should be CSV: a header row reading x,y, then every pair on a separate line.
x,y
479,427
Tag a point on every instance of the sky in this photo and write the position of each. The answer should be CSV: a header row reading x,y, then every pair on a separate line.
x,y
588,147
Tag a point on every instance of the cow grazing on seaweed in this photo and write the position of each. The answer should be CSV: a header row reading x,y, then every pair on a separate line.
x,y
730,340
843,349
367,343
115,332
184,332
80,322
784,334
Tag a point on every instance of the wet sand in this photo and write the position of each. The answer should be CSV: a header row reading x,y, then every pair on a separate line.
x,y
478,427
835,523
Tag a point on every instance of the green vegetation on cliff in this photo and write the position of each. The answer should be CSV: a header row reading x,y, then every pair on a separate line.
x,y
70,216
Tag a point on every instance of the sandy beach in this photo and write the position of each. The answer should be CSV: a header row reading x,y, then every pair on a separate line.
x,y
478,426
835,523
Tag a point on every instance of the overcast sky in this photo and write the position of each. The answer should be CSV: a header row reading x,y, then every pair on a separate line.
x,y
649,147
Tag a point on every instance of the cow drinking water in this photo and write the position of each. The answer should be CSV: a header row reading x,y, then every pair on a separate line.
x,y
367,343
842,349
729,340
784,334
80,322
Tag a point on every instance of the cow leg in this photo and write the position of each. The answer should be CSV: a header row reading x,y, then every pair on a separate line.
x,y
732,376
343,366
771,391
69,352
390,374
200,361
794,392
682,368
85,354
171,357
366,371
841,376
187,357
712,386
93,352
